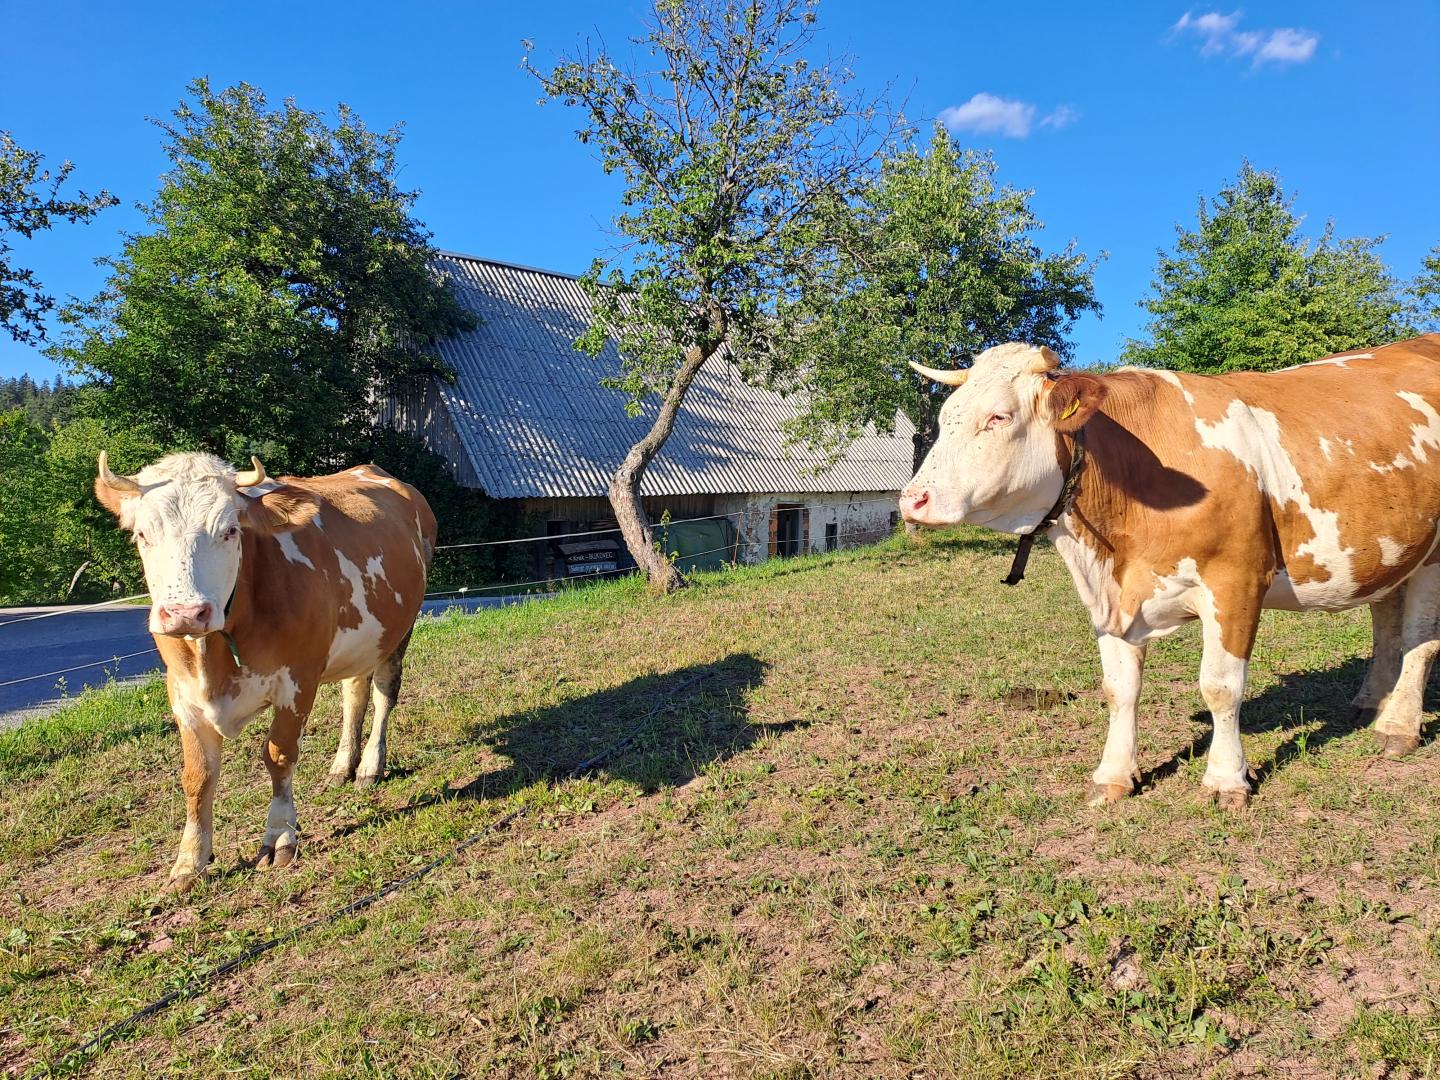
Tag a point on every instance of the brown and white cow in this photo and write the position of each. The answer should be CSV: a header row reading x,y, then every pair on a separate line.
x,y
1210,498
260,592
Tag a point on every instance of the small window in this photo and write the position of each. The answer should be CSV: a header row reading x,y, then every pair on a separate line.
x,y
894,520
832,535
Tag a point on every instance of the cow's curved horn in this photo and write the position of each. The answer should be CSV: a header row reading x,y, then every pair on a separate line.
x,y
1048,360
950,377
111,480
253,476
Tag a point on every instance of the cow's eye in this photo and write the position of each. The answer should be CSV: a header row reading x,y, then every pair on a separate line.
x,y
231,533
997,420
140,538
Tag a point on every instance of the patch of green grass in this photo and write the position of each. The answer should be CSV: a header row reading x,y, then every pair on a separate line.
x,y
852,846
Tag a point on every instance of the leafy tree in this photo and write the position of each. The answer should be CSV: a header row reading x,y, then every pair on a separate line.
x,y
1244,290
728,139
58,542
935,262
30,202
1425,293
283,287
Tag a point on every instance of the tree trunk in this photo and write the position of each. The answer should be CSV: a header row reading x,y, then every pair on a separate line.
x,y
625,484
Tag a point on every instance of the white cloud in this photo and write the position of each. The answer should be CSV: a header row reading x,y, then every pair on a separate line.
x,y
1214,28
1287,46
1063,116
985,113
1219,36
988,113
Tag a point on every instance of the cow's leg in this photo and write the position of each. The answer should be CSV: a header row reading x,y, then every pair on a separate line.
x,y
1224,664
386,693
280,752
201,746
1123,665
1398,726
1385,656
355,698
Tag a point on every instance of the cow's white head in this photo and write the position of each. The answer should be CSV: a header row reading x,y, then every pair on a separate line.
x,y
186,513
995,461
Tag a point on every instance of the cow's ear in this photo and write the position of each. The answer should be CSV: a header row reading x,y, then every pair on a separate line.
x,y
115,501
279,511
1070,400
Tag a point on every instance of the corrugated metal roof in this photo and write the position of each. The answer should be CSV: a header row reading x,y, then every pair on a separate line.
x,y
535,421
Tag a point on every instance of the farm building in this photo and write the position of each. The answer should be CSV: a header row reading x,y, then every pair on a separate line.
x,y
528,420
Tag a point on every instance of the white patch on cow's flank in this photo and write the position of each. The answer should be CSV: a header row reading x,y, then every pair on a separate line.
x,y
1173,380
292,550
361,474
1252,436
1325,447
1422,435
1332,361
1392,552
357,649
375,567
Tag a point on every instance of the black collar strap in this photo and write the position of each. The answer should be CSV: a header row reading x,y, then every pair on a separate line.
x,y
1062,504
230,638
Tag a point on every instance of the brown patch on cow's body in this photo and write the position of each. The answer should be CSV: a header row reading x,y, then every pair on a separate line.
x,y
1154,493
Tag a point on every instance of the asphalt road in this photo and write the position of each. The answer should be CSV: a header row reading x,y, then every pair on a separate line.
x,y
33,651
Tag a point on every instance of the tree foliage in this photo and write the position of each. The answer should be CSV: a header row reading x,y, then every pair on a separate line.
x,y
43,403
933,263
729,139
1245,290
1424,293
58,542
30,202
282,287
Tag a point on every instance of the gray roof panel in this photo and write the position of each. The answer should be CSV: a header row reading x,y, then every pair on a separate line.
x,y
535,421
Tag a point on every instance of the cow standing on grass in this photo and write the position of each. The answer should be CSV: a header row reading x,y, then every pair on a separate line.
x,y
260,592
1210,498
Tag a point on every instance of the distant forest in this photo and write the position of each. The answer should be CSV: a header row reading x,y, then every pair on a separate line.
x,y
42,403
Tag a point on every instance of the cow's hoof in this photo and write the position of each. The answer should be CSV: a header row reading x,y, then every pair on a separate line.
x,y
1106,794
1397,746
275,858
365,780
337,779
180,884
1232,802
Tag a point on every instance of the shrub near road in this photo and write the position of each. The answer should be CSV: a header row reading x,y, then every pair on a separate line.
x,y
855,849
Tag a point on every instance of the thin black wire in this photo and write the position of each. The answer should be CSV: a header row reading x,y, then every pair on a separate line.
x,y
480,544
465,590
73,1060
655,525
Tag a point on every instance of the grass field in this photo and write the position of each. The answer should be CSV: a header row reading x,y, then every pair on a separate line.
x,y
857,848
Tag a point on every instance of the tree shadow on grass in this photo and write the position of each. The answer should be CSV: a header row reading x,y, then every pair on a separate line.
x,y
1311,707
654,731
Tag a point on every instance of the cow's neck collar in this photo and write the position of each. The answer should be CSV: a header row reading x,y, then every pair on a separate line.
x,y
225,627
1055,513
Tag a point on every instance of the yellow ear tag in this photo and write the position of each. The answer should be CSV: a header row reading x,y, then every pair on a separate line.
x,y
1072,410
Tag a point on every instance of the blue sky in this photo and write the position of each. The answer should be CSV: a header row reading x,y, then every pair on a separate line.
x,y
1118,116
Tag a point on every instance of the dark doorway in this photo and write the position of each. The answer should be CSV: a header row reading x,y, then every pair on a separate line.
x,y
832,535
789,531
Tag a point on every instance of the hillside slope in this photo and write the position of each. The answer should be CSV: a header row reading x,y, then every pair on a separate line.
x,y
856,848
